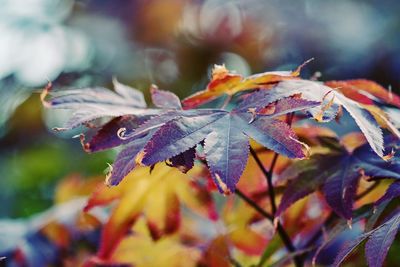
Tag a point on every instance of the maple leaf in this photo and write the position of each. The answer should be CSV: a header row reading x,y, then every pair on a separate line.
x,y
106,137
175,132
369,93
379,241
89,104
332,101
225,82
338,173
225,134
157,196
365,91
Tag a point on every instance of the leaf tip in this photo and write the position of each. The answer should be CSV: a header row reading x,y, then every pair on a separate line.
x,y
221,185
389,156
306,148
109,171
319,117
297,71
44,94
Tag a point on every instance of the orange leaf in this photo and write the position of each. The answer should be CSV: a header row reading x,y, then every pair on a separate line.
x,y
364,91
225,82
157,196
217,253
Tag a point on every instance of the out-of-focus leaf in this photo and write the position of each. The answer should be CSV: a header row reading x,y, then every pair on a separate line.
x,y
338,173
157,196
365,91
74,186
44,239
140,250
247,232
217,253
379,241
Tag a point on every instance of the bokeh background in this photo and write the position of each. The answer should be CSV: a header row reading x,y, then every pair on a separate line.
x,y
173,44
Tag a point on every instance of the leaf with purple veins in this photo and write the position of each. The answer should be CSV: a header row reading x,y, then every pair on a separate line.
x,y
107,137
338,172
316,91
227,151
177,131
178,135
340,188
126,160
273,134
299,188
380,241
348,248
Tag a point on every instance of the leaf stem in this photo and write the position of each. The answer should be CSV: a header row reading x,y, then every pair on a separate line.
x,y
271,192
254,205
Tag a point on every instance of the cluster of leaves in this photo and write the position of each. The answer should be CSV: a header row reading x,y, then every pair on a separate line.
x,y
216,142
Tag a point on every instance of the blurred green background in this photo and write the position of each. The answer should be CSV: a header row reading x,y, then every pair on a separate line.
x,y
170,43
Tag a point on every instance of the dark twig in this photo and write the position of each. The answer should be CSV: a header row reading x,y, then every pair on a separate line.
x,y
234,262
368,190
268,176
254,205
281,231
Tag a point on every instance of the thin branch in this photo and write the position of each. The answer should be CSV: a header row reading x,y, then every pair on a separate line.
x,y
281,231
368,190
268,176
254,205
